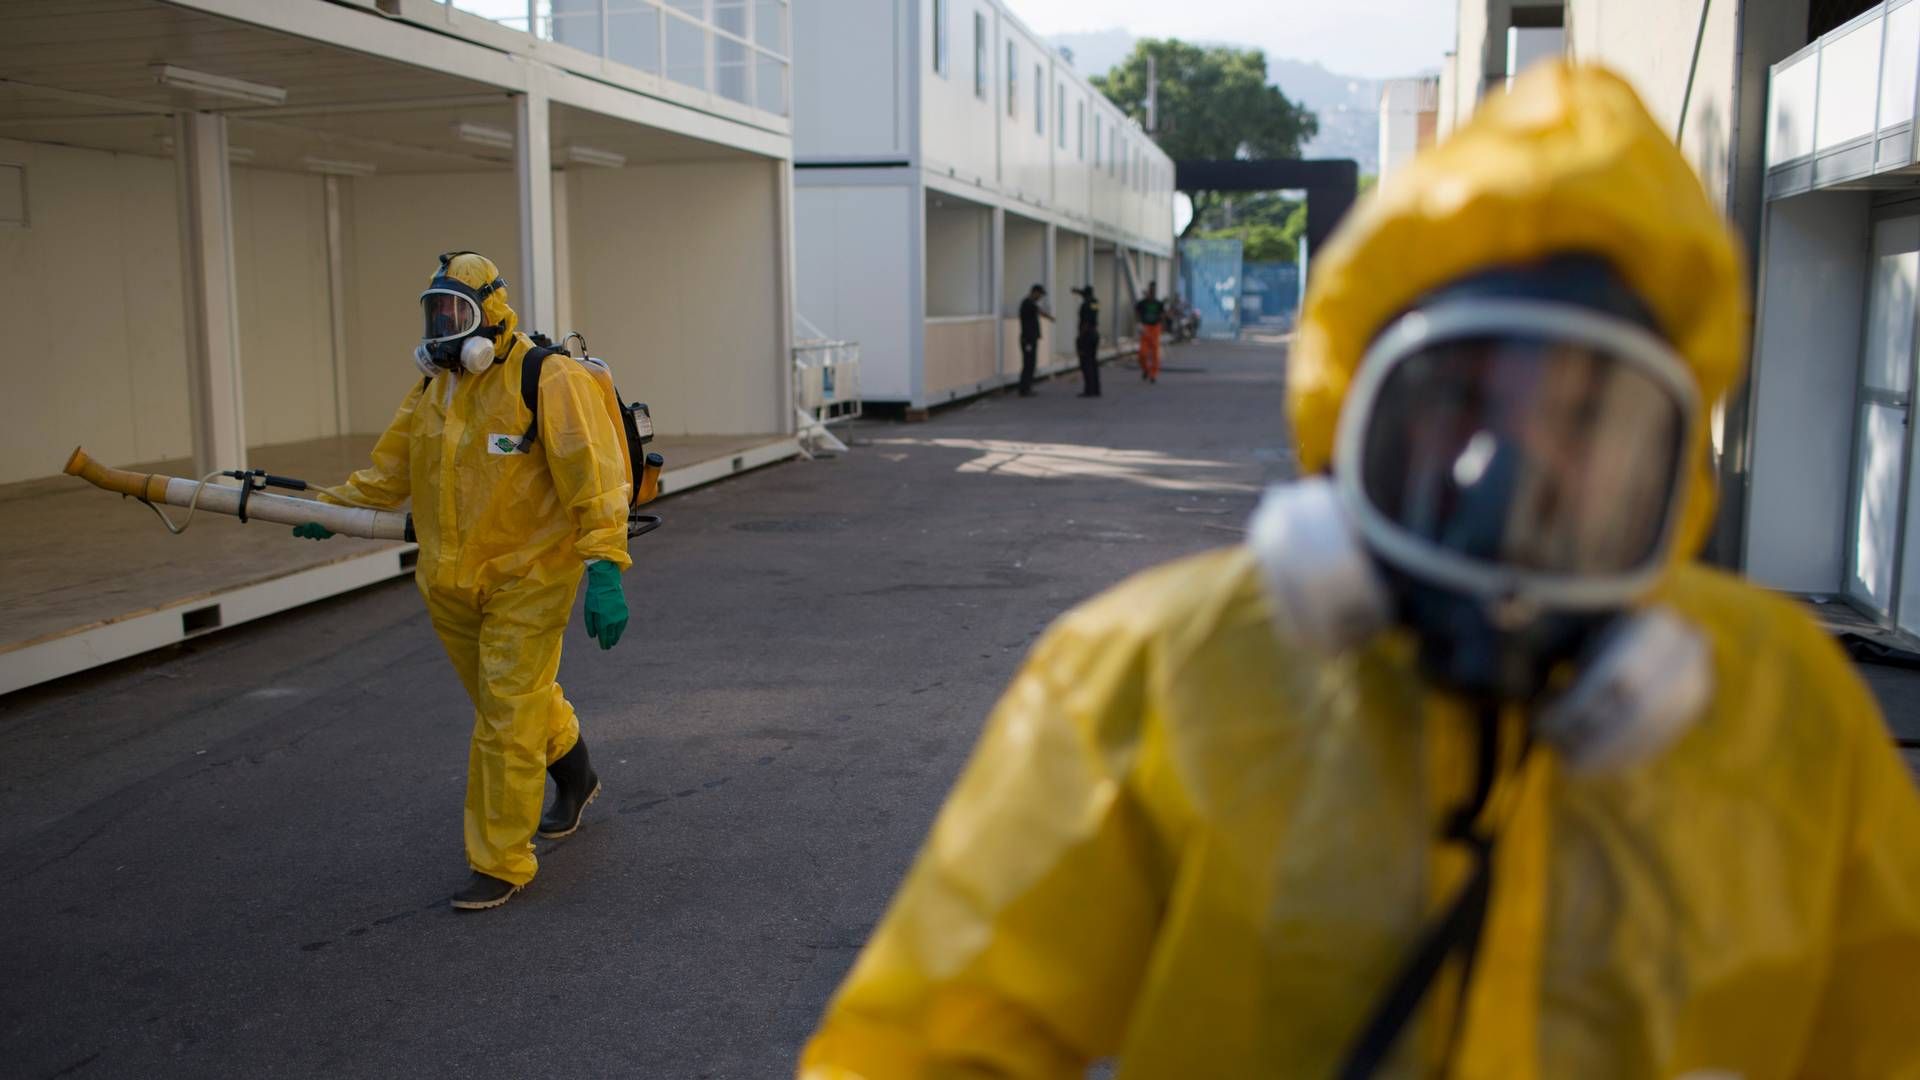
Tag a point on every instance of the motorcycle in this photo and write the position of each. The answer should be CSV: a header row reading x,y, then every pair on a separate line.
x,y
1183,323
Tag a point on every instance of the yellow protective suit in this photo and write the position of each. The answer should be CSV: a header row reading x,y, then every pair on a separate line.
x,y
1185,845
503,537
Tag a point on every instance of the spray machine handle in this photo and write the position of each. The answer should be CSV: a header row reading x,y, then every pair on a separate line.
x,y
261,478
252,480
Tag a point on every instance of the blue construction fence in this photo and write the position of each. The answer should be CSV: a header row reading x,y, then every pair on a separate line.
x,y
1210,280
1229,292
1269,294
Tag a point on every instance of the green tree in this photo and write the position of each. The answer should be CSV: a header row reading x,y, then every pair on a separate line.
x,y
1248,208
1267,224
1214,103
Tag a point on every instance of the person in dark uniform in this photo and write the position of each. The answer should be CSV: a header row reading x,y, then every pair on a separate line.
x,y
1087,342
1030,315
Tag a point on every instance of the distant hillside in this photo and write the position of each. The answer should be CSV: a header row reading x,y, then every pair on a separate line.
x,y
1348,106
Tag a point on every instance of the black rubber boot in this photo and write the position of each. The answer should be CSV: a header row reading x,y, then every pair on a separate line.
x,y
483,892
575,784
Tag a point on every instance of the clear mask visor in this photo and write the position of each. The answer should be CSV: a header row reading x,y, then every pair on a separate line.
x,y
1531,454
449,315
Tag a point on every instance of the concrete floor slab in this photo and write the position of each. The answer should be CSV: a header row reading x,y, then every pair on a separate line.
x,y
79,559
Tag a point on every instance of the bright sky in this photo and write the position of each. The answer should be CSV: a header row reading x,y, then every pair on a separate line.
x,y
1377,38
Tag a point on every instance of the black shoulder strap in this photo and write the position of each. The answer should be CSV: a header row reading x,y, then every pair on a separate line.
x,y
1456,934
530,366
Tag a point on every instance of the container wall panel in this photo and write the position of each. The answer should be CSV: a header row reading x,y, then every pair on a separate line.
x,y
397,228
286,328
853,281
675,284
1812,295
92,284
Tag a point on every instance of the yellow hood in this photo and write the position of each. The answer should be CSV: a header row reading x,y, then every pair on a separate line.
x,y
1568,161
475,271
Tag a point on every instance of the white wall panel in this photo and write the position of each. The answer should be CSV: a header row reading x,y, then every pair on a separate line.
x,y
1790,111
975,139
397,227
1902,51
280,266
92,287
852,279
958,129
1026,155
1069,273
1111,290
959,238
1072,166
1806,370
675,285
1025,263
849,95
1652,43
1849,83
1469,75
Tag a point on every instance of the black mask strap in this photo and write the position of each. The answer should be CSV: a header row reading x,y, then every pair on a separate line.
x,y
1455,933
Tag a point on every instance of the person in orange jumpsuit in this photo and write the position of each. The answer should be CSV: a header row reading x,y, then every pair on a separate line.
x,y
1151,312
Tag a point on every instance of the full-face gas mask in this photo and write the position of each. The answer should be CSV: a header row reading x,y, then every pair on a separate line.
x,y
454,337
1508,474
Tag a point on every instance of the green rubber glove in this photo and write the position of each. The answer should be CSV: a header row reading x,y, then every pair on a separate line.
x,y
606,604
312,530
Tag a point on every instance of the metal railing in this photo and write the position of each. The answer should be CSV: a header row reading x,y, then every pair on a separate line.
x,y
734,49
826,390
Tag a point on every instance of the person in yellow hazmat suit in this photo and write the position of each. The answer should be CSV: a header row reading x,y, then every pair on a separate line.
x,y
507,509
1461,765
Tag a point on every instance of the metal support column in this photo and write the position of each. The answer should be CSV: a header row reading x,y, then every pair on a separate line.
x,y
1050,275
533,293
997,287
337,305
207,287
564,318
783,283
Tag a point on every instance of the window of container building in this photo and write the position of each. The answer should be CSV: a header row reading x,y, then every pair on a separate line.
x,y
980,56
1013,82
1080,130
1039,102
940,35
1060,115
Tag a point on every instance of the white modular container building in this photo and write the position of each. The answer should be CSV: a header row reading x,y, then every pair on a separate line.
x,y
216,217
946,160
1409,109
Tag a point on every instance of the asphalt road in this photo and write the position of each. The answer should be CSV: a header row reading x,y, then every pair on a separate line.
x,y
232,858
